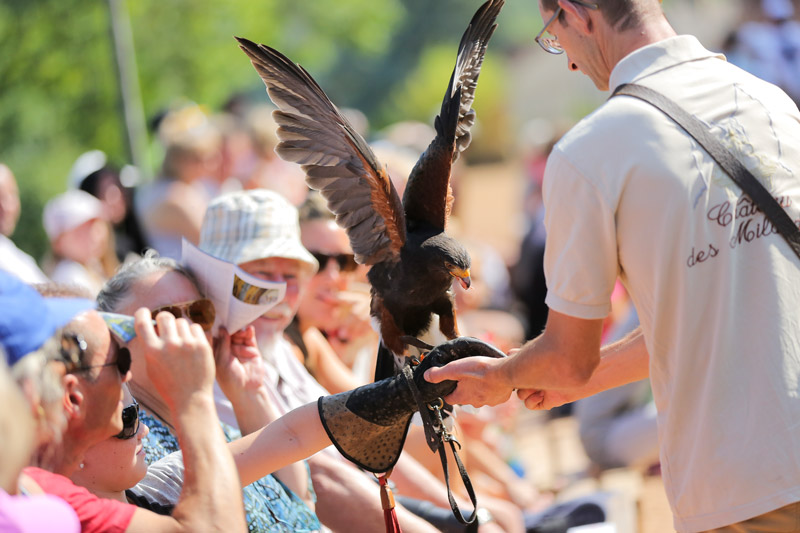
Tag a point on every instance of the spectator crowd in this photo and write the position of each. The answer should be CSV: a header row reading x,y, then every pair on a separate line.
x,y
178,425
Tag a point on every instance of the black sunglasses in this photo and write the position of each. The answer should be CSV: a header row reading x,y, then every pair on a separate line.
x,y
73,351
346,262
130,421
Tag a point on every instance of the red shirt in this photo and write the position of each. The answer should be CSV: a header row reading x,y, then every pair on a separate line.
x,y
95,514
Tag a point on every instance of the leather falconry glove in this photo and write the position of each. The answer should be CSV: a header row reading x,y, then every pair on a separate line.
x,y
369,424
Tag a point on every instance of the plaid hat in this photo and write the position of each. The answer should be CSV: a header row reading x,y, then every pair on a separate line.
x,y
68,211
27,319
243,226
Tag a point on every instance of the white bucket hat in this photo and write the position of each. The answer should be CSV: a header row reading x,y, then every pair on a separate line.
x,y
244,226
68,211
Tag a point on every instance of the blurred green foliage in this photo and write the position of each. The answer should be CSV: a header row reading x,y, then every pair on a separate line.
x,y
59,93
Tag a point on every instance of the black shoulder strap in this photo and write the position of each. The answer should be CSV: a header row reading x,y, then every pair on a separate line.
x,y
734,168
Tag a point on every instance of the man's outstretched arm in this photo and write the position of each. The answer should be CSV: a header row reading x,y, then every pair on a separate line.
x,y
561,365
622,362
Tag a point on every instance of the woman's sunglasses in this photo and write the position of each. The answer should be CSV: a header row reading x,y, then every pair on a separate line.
x,y
130,421
346,262
200,312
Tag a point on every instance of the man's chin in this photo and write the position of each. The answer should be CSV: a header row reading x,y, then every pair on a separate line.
x,y
268,324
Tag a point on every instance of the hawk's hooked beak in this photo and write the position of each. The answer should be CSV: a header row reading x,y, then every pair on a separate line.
x,y
463,277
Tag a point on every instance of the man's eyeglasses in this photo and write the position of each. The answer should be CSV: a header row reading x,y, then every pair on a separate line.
x,y
200,312
551,44
346,262
73,352
130,421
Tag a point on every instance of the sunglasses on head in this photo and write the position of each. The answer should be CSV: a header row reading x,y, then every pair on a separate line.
x,y
73,351
130,421
346,262
200,312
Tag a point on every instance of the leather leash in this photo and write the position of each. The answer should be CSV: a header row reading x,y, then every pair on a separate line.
x,y
436,435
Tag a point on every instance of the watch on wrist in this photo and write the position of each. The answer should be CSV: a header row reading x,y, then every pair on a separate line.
x,y
482,516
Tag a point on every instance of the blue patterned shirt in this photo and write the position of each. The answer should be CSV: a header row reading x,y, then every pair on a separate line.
x,y
269,504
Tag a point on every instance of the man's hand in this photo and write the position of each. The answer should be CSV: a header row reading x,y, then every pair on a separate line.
x,y
178,356
240,368
480,381
541,400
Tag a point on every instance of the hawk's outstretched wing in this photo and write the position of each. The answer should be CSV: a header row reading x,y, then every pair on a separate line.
x,y
336,159
428,196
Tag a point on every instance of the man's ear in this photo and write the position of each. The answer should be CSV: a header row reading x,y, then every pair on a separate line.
x,y
73,396
577,16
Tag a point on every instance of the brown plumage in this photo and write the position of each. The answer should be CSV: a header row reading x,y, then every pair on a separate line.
x,y
413,261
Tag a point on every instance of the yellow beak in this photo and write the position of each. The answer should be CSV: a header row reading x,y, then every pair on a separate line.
x,y
463,277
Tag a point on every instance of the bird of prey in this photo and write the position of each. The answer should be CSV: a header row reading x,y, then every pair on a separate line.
x,y
413,261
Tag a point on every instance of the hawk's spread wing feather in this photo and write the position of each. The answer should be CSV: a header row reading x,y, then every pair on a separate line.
x,y
428,196
336,159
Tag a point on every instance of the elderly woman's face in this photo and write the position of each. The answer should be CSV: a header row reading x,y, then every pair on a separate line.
x,y
154,291
114,465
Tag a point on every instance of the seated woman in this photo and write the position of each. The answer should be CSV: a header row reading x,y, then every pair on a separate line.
x,y
288,439
328,324
111,468
155,282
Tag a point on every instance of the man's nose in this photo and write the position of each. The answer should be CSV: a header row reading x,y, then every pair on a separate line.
x,y
331,268
571,65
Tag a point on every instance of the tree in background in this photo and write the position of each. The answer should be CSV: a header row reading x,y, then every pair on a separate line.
x,y
59,88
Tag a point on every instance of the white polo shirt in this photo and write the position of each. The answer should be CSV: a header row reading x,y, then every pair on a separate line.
x,y
629,194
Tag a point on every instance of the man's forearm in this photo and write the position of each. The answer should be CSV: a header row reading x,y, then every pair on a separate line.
x,y
621,363
565,356
211,493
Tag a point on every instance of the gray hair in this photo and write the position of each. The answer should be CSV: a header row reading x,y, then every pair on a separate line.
x,y
118,288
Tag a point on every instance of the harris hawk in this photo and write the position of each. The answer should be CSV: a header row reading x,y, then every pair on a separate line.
x,y
413,262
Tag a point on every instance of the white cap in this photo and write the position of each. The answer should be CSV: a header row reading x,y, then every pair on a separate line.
x,y
87,163
68,211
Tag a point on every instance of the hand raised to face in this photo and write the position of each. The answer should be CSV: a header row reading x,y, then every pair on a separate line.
x,y
239,365
179,360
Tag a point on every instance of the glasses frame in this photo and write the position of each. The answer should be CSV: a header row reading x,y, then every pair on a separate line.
x,y
129,429
74,354
185,309
73,350
551,45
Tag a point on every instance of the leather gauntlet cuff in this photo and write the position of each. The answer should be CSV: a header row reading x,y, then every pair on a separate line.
x,y
369,424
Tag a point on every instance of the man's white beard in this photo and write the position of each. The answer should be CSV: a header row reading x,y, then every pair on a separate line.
x,y
267,338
